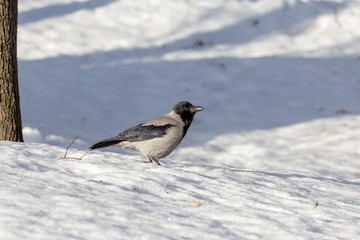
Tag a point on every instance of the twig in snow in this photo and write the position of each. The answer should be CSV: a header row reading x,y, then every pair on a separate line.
x,y
65,157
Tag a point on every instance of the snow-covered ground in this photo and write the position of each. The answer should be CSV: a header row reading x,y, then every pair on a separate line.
x,y
275,155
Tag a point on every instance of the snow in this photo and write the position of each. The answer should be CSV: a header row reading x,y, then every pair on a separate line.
x,y
275,155
110,196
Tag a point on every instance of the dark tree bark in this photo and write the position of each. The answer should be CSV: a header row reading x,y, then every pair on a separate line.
x,y
10,116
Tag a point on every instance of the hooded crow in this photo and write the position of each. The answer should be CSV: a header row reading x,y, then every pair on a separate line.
x,y
158,137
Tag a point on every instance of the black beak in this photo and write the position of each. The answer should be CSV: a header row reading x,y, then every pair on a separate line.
x,y
195,109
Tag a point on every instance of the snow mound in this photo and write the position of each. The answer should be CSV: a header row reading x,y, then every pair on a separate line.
x,y
109,195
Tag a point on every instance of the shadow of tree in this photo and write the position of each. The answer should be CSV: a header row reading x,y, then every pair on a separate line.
x,y
58,10
290,20
249,94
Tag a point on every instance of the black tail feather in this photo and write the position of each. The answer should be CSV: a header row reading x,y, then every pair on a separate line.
x,y
105,143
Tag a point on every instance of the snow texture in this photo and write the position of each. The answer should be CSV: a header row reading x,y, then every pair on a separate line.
x,y
275,155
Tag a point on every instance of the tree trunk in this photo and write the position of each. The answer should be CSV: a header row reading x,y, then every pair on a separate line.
x,y
10,116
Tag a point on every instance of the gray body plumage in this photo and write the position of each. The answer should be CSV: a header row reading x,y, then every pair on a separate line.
x,y
158,137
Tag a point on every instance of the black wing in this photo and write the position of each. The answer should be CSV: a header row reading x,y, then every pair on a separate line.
x,y
134,134
143,132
